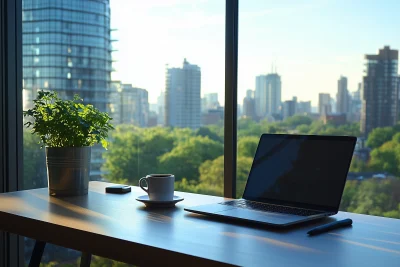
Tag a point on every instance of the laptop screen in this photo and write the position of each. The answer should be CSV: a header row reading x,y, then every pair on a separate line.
x,y
300,169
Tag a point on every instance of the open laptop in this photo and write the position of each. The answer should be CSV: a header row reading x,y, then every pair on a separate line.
x,y
293,179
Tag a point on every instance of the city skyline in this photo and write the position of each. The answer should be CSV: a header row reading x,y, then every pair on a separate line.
x,y
323,49
80,83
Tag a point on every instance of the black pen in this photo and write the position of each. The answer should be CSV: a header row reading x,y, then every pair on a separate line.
x,y
330,226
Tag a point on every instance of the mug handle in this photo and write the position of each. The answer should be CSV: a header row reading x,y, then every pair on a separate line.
x,y
140,184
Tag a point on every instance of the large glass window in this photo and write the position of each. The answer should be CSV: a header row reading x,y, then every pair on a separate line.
x,y
157,67
325,68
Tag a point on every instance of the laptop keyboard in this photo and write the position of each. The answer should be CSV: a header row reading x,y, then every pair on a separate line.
x,y
242,203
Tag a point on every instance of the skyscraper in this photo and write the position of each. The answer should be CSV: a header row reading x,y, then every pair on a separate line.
x,y
115,99
161,109
133,106
333,105
342,97
355,106
303,107
357,94
142,107
67,49
249,108
211,101
380,93
268,94
324,104
182,96
289,108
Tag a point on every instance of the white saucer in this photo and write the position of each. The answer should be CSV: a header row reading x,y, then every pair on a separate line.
x,y
158,204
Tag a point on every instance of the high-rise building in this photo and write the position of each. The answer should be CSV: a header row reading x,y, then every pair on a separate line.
x,y
161,109
153,107
203,105
289,108
67,49
132,106
213,116
355,106
333,105
211,101
380,90
249,108
239,110
324,104
342,97
357,94
182,96
303,107
153,119
268,94
142,111
115,99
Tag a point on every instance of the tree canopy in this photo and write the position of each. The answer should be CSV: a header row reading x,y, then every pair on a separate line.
x,y
247,146
185,158
297,120
196,158
379,136
133,152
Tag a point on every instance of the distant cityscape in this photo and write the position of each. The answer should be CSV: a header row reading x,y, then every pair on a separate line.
x,y
374,103
78,63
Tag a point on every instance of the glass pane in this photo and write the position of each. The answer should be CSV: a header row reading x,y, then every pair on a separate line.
x,y
302,70
160,77
179,60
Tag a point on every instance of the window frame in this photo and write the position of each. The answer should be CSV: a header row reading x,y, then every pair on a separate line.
x,y
230,122
11,246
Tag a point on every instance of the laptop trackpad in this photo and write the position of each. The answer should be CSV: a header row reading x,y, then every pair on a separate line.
x,y
262,216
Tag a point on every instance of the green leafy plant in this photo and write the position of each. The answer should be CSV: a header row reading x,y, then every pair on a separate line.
x,y
67,123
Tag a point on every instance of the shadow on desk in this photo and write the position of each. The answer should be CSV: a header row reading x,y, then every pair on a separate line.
x,y
259,226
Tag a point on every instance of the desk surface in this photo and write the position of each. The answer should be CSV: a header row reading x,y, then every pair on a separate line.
x,y
120,228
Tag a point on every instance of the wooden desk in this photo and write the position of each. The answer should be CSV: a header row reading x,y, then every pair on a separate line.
x,y
120,228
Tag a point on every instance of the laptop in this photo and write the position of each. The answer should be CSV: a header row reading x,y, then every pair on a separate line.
x,y
293,179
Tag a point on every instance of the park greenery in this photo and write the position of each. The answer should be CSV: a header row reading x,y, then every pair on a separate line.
x,y
196,157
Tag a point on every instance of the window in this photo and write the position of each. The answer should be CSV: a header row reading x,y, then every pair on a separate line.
x,y
294,50
301,70
164,90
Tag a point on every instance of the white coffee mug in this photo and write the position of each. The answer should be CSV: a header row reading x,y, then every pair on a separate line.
x,y
160,187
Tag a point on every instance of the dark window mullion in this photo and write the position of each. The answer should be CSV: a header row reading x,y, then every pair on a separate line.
x,y
11,118
230,130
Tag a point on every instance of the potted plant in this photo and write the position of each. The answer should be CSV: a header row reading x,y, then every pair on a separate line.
x,y
68,129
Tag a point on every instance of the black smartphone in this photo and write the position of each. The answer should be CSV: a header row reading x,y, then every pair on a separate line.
x,y
118,189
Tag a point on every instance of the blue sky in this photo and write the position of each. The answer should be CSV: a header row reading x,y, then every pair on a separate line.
x,y
311,43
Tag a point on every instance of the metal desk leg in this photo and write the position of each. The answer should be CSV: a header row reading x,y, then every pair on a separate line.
x,y
86,258
37,253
